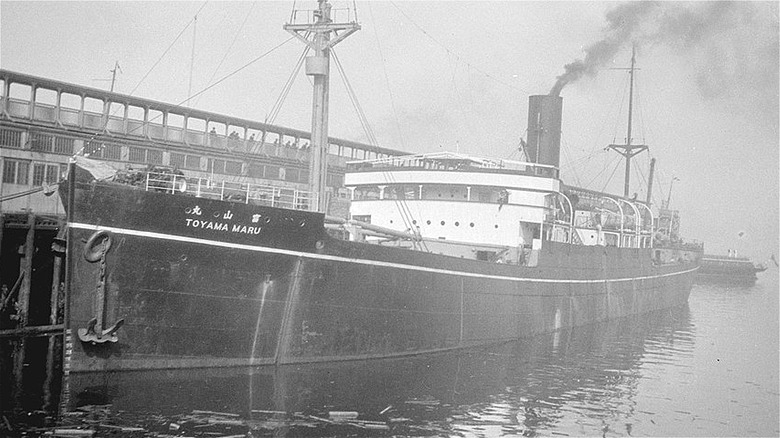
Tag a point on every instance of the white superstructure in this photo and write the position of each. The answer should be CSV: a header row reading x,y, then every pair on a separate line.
x,y
487,209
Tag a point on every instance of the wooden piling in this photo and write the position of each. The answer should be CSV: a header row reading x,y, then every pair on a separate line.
x,y
26,268
2,228
54,302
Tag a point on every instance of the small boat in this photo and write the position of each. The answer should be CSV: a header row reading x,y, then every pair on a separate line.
x,y
728,269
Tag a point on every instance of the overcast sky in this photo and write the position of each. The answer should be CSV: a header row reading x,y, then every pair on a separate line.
x,y
434,76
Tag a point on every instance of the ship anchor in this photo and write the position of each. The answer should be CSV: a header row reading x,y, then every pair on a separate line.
x,y
95,250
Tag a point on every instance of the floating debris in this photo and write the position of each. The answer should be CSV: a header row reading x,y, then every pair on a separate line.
x,y
216,414
70,432
123,428
423,402
342,415
259,411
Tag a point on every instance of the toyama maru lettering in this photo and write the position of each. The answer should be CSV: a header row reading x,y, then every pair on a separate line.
x,y
221,226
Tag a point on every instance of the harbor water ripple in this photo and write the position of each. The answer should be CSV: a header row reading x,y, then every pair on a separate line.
x,y
709,368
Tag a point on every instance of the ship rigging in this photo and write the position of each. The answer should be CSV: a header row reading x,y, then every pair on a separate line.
x,y
317,36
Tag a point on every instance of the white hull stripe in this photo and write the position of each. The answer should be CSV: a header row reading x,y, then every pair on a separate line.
x,y
264,249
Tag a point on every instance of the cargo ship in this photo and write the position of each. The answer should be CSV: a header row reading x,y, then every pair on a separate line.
x,y
439,251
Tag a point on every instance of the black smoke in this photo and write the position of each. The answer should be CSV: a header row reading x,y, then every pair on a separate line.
x,y
729,44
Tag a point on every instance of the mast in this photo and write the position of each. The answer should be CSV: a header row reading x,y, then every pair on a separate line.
x,y
113,74
628,150
317,35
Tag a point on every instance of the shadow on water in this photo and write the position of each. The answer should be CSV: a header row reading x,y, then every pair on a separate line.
x,y
518,388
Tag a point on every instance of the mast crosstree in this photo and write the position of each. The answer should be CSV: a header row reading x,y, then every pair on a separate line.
x,y
317,35
629,150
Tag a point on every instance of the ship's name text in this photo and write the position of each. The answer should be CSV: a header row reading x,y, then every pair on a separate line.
x,y
222,226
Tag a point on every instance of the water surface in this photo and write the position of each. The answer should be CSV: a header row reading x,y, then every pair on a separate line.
x,y
709,368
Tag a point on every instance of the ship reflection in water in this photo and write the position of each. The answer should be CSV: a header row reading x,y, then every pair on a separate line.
x,y
520,388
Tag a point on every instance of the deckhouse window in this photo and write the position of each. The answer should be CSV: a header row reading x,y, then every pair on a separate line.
x,y
402,192
366,193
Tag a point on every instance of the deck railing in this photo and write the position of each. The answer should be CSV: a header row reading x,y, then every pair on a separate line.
x,y
257,194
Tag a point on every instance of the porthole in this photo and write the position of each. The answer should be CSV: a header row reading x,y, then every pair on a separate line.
x,y
442,222
428,222
471,225
414,222
457,224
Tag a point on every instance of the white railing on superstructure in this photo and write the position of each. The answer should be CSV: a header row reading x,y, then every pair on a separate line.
x,y
450,161
257,194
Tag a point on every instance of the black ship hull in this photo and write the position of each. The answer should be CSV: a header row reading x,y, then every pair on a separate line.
x,y
207,283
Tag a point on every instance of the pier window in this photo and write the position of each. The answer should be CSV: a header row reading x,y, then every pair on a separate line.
x,y
216,134
63,145
141,155
10,138
177,160
40,142
70,107
45,104
235,136
93,113
107,151
272,172
291,175
183,161
135,120
175,127
253,140
224,167
196,129
216,166
16,171
154,156
116,117
45,173
136,155
156,127
255,170
233,167
19,100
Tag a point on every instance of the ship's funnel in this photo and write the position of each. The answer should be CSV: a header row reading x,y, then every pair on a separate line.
x,y
544,129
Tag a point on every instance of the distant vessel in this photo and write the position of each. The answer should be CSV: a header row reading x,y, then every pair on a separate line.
x,y
729,269
440,251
